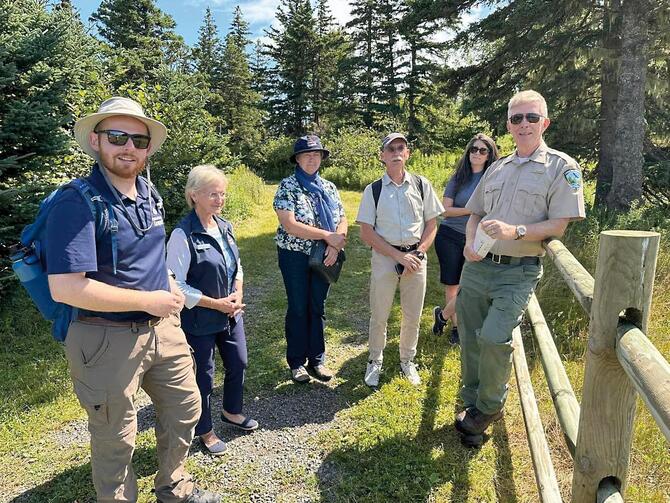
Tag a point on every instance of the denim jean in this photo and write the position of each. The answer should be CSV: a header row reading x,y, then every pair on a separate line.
x,y
305,317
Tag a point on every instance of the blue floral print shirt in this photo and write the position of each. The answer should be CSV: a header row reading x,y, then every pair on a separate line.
x,y
290,196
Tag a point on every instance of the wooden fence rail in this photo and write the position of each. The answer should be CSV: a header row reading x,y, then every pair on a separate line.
x,y
620,360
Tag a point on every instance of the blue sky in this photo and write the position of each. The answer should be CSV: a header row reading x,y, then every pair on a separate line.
x,y
188,14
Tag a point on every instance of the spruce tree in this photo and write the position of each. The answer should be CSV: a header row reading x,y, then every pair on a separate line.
x,y
141,37
292,47
240,110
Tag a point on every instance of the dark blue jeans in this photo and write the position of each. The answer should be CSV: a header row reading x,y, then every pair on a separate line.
x,y
232,344
305,316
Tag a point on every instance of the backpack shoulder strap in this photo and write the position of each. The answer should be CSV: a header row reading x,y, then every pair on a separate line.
x,y
103,214
376,191
419,183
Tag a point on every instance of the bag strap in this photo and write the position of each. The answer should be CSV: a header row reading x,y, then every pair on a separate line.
x,y
103,213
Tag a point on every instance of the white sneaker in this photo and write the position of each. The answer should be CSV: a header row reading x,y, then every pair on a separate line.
x,y
409,369
372,373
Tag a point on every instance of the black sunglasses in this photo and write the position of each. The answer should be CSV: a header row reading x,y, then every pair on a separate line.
x,y
482,150
120,138
533,118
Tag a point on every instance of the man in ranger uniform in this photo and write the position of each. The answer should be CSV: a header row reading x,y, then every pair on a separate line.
x,y
522,199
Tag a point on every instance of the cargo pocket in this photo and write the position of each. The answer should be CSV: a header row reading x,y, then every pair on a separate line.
x,y
93,401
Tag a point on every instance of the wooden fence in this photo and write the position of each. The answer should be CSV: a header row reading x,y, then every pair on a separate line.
x,y
620,361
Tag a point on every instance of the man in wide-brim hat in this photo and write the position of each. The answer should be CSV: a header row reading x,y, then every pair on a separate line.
x,y
127,333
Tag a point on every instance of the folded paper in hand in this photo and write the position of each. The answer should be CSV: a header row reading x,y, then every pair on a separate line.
x,y
483,242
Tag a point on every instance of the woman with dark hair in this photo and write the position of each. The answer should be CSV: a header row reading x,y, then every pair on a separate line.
x,y
480,153
309,209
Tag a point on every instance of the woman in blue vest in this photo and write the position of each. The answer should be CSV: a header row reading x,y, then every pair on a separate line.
x,y
480,153
309,208
203,256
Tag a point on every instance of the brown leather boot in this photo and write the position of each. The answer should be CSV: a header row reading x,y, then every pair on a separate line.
x,y
475,422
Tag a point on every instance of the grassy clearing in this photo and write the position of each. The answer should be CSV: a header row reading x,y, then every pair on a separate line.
x,y
393,445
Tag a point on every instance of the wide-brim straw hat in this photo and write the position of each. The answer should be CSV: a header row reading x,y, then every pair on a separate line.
x,y
118,106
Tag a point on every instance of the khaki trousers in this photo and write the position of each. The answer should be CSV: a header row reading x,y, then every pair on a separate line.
x,y
383,283
108,364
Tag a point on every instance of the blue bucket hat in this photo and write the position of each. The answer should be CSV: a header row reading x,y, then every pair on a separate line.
x,y
309,143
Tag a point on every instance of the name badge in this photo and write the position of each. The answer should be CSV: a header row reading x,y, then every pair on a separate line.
x,y
202,246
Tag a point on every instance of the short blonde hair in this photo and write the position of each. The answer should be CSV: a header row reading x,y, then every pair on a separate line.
x,y
528,96
200,177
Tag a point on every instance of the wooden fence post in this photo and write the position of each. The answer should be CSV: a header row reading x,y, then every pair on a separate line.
x,y
624,282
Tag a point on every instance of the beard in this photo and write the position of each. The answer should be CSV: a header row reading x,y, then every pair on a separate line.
x,y
126,166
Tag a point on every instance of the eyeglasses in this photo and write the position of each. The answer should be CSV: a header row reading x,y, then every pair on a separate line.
x,y
482,150
517,119
213,196
399,149
120,138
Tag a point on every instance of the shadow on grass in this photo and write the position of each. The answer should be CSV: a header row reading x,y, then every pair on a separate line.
x,y
411,463
76,485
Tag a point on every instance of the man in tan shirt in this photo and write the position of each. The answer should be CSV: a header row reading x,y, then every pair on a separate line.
x,y
398,218
522,199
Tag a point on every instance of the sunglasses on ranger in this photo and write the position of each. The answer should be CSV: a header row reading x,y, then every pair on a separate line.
x,y
517,119
120,138
482,150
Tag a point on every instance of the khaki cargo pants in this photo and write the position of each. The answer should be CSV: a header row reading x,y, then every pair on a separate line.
x,y
490,303
108,364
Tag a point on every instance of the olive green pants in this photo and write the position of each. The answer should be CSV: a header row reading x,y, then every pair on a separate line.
x,y
490,304
108,364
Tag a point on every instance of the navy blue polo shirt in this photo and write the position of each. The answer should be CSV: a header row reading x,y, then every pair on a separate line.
x,y
72,247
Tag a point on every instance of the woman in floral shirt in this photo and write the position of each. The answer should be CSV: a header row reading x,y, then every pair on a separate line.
x,y
309,208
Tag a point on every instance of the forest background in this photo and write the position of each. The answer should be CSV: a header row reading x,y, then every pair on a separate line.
x,y
603,66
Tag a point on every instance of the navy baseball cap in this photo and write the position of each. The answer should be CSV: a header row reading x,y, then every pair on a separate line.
x,y
393,136
309,143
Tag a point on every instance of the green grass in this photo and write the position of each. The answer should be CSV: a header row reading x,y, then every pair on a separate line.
x,y
393,445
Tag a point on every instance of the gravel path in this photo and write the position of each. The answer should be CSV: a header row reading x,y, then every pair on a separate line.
x,y
281,461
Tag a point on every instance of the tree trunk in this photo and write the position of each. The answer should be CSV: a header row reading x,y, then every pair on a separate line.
x,y
628,162
608,91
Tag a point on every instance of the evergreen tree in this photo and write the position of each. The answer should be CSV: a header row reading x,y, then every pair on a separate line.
x,y
330,51
292,47
43,88
240,110
208,49
141,37
364,64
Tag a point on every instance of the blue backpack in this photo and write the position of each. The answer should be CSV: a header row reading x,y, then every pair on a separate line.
x,y
28,257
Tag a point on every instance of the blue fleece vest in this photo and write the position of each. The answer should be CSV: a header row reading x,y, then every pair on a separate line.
x,y
208,273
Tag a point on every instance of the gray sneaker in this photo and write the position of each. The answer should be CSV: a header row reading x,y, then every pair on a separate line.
x,y
372,373
300,375
409,369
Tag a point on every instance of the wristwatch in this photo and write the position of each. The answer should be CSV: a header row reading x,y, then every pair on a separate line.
x,y
420,255
520,232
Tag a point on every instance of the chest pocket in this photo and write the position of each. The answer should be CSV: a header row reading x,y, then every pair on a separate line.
x,y
202,252
531,199
492,193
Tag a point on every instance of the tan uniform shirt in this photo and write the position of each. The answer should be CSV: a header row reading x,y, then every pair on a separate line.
x,y
401,215
545,186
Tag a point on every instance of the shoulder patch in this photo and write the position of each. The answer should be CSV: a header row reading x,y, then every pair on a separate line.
x,y
573,177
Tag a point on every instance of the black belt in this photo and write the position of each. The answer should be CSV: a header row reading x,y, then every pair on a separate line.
x,y
507,260
96,320
407,248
